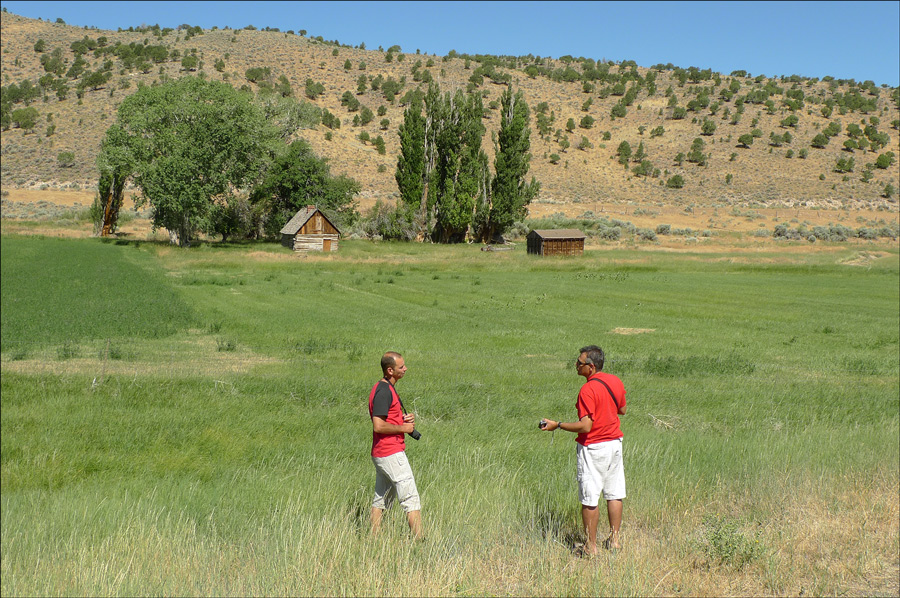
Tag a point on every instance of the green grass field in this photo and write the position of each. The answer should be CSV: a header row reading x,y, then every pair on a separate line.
x,y
194,421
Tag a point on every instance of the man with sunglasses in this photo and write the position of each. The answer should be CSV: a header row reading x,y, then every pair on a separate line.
x,y
393,475
600,470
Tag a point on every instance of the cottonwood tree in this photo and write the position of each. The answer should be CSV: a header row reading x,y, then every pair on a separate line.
x,y
189,146
297,178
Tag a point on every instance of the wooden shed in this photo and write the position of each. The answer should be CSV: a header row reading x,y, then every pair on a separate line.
x,y
564,241
310,230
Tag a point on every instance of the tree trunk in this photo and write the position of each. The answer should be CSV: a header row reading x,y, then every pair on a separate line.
x,y
111,202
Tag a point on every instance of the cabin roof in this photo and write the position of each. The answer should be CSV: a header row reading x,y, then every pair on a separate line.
x,y
301,218
559,233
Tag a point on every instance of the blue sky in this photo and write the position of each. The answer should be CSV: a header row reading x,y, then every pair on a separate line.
x,y
859,40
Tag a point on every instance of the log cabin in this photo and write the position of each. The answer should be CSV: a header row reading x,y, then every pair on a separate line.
x,y
310,230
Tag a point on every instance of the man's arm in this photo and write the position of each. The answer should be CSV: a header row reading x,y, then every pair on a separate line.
x,y
622,409
582,426
380,426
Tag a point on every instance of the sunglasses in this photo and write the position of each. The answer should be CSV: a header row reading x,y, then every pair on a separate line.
x,y
579,363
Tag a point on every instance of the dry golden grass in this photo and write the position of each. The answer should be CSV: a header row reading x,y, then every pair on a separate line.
x,y
733,233
197,354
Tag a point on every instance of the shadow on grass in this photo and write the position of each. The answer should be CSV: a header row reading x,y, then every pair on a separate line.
x,y
557,525
122,239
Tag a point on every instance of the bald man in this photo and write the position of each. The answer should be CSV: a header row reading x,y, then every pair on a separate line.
x,y
393,475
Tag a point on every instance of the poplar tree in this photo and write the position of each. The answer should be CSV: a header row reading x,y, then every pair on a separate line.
x,y
410,173
510,194
444,174
458,177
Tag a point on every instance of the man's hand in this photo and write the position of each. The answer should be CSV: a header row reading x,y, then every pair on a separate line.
x,y
549,425
409,418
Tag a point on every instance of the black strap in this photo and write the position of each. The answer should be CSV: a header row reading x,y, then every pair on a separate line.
x,y
592,380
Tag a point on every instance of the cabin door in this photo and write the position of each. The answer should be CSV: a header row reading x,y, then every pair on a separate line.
x,y
326,244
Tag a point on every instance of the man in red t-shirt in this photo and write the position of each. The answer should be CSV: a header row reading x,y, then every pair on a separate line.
x,y
601,401
393,475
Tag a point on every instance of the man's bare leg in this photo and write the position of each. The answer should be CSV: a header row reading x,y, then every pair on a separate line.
x,y
614,510
375,518
415,523
590,516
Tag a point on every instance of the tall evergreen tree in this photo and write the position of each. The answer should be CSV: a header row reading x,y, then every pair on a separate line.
x,y
510,194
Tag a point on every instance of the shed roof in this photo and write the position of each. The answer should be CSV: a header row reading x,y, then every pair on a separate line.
x,y
301,218
559,233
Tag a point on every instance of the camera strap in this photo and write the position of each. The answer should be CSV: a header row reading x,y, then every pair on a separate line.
x,y
612,396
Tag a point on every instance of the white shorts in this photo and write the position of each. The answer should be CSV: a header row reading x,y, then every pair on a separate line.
x,y
394,479
600,471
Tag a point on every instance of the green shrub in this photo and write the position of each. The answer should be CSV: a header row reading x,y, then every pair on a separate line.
x,y
675,182
65,159
722,542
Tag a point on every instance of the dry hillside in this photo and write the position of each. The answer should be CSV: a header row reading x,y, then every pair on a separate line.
x,y
761,175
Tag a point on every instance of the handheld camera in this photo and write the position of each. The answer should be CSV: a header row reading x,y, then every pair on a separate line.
x,y
415,434
542,424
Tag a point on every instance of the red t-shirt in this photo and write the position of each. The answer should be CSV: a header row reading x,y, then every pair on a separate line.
x,y
385,403
594,400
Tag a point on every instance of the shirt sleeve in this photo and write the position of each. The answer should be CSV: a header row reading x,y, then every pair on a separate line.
x,y
381,402
585,405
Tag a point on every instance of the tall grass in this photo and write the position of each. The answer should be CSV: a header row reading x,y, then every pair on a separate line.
x,y
762,426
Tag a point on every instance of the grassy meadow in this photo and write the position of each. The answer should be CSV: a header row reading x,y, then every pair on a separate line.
x,y
194,422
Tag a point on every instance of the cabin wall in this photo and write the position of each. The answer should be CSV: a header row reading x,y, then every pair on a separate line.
x,y
303,242
318,225
563,247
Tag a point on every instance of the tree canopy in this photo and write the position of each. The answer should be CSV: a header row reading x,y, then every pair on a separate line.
x,y
188,144
198,149
297,178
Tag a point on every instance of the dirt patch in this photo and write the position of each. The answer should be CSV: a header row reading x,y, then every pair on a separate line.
x,y
632,330
208,364
265,256
864,258
71,199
